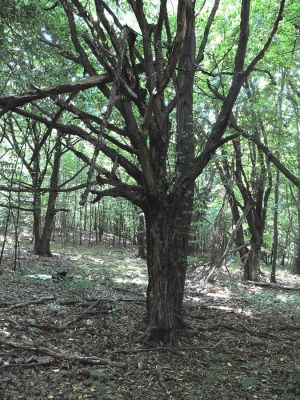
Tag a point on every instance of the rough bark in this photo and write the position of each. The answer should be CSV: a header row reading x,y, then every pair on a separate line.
x,y
43,247
224,171
255,192
163,315
185,152
251,268
275,235
141,236
37,203
297,259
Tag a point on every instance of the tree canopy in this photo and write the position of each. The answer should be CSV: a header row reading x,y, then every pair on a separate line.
x,y
147,97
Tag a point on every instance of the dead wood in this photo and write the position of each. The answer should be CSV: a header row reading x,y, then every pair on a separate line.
x,y
29,365
61,355
80,316
89,311
137,301
146,350
4,380
286,328
123,290
140,301
161,380
272,285
68,302
175,350
27,303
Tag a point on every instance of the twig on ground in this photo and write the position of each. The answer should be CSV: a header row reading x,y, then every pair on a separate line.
x,y
27,303
271,285
80,316
161,380
28,365
168,349
4,380
119,289
67,324
61,355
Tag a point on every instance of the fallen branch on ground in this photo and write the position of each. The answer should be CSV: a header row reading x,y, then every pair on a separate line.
x,y
123,290
161,380
36,362
114,300
67,324
4,380
27,303
271,285
168,349
59,354
79,317
286,328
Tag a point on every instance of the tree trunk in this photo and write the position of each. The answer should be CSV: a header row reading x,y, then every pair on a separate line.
x,y
297,122
43,248
37,203
224,172
4,237
256,218
297,259
168,229
251,267
185,154
164,308
141,236
275,236
36,220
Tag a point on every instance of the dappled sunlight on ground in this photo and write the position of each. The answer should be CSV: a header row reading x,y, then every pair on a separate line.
x,y
241,337
255,289
138,281
235,310
75,258
217,292
283,297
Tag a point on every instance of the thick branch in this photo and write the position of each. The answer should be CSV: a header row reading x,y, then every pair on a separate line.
x,y
135,194
11,102
133,171
42,189
270,156
238,79
64,53
209,23
262,52
177,45
74,36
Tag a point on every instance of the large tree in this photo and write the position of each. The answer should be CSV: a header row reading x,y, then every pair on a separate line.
x,y
145,70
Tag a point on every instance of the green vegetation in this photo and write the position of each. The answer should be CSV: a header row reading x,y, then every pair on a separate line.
x,y
153,148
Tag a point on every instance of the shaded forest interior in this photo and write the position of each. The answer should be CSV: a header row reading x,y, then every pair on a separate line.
x,y
240,342
150,199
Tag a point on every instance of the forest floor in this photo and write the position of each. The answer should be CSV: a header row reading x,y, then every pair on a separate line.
x,y
243,342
